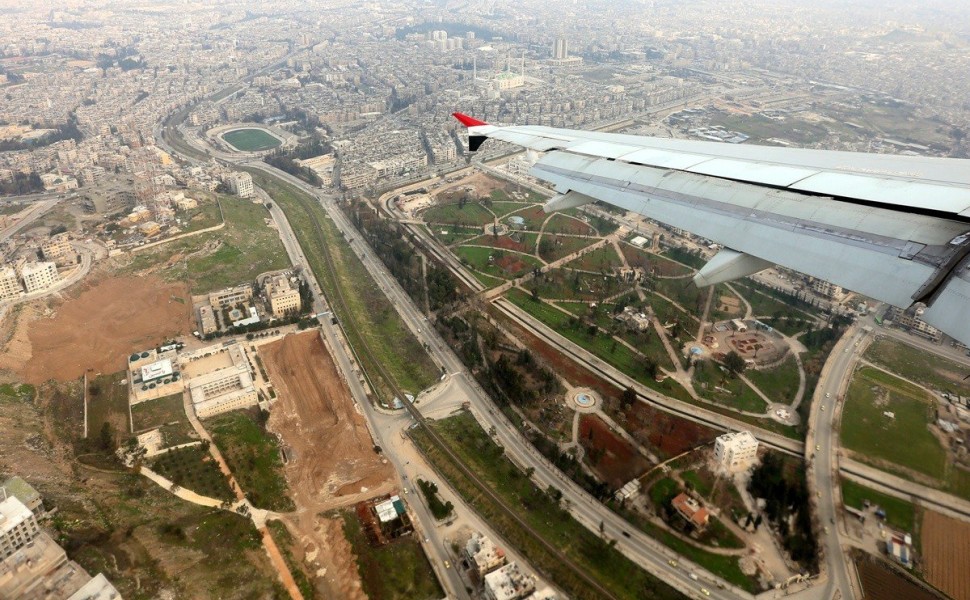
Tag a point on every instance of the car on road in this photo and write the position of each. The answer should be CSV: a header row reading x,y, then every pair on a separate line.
x,y
823,408
625,533
693,576
828,395
672,562
818,447
705,592
447,564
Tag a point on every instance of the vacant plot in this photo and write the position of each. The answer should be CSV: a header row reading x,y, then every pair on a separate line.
x,y
879,582
920,366
614,459
899,513
155,413
107,398
104,323
333,460
463,215
398,570
874,437
239,252
254,458
946,554
251,140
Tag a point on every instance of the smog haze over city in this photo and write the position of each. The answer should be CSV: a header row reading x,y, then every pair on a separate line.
x,y
484,300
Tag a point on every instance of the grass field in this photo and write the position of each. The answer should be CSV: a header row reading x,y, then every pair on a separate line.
x,y
472,213
603,562
601,259
251,140
396,571
502,208
449,234
237,253
925,368
899,513
872,435
369,313
108,403
553,247
155,413
780,383
254,458
560,223
194,469
504,264
708,376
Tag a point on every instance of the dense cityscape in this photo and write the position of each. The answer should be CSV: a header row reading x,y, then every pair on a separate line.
x,y
273,325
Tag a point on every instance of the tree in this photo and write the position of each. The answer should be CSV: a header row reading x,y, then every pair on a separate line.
x,y
107,437
734,362
628,397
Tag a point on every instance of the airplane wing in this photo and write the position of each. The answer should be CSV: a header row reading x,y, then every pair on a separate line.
x,y
894,228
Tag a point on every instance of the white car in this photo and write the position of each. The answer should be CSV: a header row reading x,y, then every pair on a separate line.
x,y
828,395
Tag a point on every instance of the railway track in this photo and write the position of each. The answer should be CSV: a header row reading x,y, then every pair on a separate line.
x,y
436,439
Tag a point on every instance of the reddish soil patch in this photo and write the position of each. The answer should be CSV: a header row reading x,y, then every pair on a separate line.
x,y
614,459
946,554
334,463
879,582
670,434
503,241
511,264
103,324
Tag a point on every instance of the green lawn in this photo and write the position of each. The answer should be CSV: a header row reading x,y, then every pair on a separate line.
x,y
155,413
872,435
553,247
368,316
899,513
540,510
562,223
235,254
708,376
251,140
653,264
925,368
472,213
449,234
254,459
396,571
780,383
505,263
193,469
601,259
534,217
502,208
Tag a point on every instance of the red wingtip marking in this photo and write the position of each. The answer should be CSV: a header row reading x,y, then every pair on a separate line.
x,y
468,121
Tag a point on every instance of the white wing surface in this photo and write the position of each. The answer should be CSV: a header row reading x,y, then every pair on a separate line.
x,y
895,228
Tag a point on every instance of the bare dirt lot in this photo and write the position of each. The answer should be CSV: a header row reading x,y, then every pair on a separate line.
x,y
333,461
879,582
946,554
615,460
96,328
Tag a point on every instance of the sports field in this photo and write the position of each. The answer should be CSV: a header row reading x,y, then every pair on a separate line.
x,y
250,140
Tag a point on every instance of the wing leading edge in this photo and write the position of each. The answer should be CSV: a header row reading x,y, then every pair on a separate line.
x,y
894,228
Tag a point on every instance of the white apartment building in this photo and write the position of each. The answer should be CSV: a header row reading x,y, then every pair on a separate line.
x,y
9,284
39,276
59,250
241,184
222,391
483,555
283,297
18,525
231,296
735,451
827,289
509,583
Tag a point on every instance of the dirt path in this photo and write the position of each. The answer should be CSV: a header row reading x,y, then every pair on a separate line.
x,y
332,459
